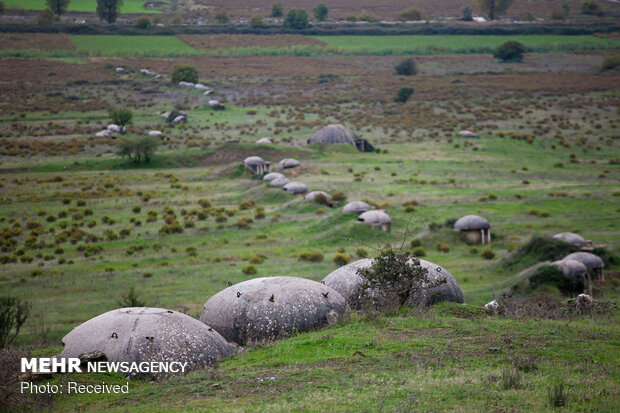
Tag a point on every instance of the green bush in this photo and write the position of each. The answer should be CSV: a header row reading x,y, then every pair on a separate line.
x,y
277,10
487,253
368,17
419,252
2,8
310,256
548,274
45,18
249,269
466,13
296,19
121,116
341,258
403,95
184,73
257,22
406,68
541,249
321,11
109,10
131,298
410,14
511,51
143,23
57,6
442,247
139,150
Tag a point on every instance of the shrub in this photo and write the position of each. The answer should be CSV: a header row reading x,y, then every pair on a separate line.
x,y
131,298
191,251
246,204
361,252
466,13
177,20
610,62
419,252
592,8
550,275
410,14
341,258
222,18
2,8
108,10
415,243
258,259
406,68
395,273
13,314
339,196
257,22
368,17
310,256
487,253
57,6
249,269
542,249
321,12
511,51
184,73
143,22
277,10
121,116
403,95
296,19
45,18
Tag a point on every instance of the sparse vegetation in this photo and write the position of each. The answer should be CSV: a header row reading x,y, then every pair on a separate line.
x,y
509,52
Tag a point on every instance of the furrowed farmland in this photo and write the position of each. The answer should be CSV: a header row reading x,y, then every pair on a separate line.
x,y
314,220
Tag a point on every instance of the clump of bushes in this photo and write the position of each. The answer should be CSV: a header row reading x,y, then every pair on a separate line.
x,y
443,247
361,252
410,14
419,252
406,68
248,270
511,51
403,94
487,253
592,8
184,73
143,22
310,256
541,249
131,298
246,204
296,19
610,63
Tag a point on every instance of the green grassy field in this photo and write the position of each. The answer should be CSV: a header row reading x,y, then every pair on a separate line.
x,y
129,6
132,45
449,44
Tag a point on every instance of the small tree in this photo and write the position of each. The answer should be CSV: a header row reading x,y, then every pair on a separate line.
x,y
403,95
222,17
320,12
509,52
410,14
184,73
466,13
493,7
121,116
57,6
45,18
143,22
396,274
2,8
257,22
130,298
296,19
13,314
592,8
177,20
277,10
109,10
406,68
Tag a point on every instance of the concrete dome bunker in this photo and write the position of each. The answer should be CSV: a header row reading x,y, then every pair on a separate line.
x,y
144,334
269,307
473,229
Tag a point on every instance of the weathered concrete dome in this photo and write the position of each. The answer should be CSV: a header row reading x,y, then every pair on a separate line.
x,y
347,282
571,268
253,161
279,182
264,141
571,238
140,334
295,188
287,164
265,308
272,175
356,207
377,218
467,134
471,222
311,196
334,134
591,261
